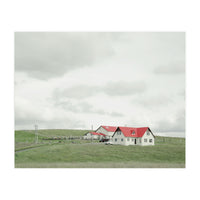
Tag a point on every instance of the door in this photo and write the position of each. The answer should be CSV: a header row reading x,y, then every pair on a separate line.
x,y
135,141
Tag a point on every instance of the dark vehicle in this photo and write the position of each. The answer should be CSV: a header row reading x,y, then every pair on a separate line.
x,y
104,140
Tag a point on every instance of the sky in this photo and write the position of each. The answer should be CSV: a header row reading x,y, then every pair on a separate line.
x,y
75,80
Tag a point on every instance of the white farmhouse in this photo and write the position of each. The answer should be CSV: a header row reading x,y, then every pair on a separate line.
x,y
133,136
107,130
93,136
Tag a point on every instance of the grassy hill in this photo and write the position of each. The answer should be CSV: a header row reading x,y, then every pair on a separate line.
x,y
168,152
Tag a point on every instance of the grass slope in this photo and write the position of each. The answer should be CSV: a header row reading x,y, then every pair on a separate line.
x,y
26,138
168,152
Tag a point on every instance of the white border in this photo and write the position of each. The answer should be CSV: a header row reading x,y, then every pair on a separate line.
x,y
98,16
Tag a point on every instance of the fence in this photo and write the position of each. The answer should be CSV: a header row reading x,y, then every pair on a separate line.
x,y
169,140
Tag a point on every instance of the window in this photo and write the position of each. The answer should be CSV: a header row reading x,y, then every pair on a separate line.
x,y
132,139
145,140
150,140
148,133
128,139
122,140
133,132
115,139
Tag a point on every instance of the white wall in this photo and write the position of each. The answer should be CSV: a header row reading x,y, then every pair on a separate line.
x,y
119,138
131,141
126,140
148,136
91,136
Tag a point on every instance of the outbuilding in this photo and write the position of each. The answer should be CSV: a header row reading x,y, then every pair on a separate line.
x,y
107,130
94,136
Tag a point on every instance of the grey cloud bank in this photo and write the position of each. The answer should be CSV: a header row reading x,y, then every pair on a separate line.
x,y
48,55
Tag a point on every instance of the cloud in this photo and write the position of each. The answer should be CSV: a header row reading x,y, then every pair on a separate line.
x,y
152,101
74,106
27,114
169,125
173,68
182,93
116,114
83,107
123,88
76,92
54,123
45,55
120,88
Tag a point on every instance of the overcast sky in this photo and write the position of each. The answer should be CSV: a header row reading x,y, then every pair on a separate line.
x,y
75,80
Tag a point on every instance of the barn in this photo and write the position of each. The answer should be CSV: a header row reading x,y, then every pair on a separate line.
x,y
107,130
133,136
94,136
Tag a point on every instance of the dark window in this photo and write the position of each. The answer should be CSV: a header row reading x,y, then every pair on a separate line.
x,y
122,139
145,140
128,139
115,139
150,140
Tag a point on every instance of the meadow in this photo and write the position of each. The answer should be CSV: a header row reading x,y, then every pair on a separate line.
x,y
54,149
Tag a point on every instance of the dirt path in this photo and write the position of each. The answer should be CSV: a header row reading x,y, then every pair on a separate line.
x,y
28,148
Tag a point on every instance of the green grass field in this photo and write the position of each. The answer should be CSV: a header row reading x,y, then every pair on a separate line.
x,y
167,153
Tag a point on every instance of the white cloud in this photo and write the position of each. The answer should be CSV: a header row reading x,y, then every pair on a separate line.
x,y
171,68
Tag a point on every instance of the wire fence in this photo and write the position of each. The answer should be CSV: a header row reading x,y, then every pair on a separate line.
x,y
162,140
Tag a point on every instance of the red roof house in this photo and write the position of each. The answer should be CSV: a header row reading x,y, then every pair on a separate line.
x,y
133,136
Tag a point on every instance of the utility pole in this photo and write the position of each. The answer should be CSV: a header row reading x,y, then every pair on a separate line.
x,y
36,133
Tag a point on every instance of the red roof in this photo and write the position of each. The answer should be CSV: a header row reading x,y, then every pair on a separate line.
x,y
128,131
110,128
94,133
